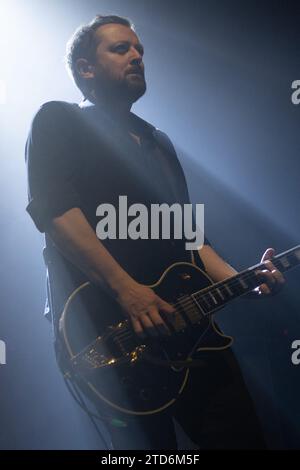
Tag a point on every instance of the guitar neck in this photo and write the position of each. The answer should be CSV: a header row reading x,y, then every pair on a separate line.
x,y
219,294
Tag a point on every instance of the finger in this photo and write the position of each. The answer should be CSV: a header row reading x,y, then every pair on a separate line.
x,y
158,321
268,254
137,327
165,306
278,276
271,279
269,265
279,281
265,289
148,325
267,277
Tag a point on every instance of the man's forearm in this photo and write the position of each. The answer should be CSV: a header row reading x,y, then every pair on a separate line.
x,y
77,241
215,266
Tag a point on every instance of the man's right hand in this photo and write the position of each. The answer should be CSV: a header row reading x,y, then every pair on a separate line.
x,y
143,307
76,239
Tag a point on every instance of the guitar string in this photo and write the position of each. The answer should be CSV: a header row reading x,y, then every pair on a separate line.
x,y
188,304
127,332
244,276
222,286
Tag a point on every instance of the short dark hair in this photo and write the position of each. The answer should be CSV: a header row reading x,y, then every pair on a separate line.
x,y
82,44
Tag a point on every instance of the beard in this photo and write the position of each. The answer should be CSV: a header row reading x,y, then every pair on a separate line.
x,y
130,88
134,87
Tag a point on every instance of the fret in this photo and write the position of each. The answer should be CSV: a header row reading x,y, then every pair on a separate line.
x,y
219,297
205,297
220,294
224,293
252,278
285,262
228,289
212,297
190,310
176,321
209,300
236,287
243,283
203,310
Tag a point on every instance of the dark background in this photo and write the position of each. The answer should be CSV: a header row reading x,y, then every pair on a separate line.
x,y
219,80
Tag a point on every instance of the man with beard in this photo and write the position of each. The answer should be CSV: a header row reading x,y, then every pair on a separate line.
x,y
81,156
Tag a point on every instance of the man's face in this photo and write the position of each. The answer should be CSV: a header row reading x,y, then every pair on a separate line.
x,y
119,68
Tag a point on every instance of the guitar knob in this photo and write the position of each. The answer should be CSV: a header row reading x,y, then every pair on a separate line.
x,y
185,276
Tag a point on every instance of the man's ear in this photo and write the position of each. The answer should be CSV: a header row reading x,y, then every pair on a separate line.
x,y
85,69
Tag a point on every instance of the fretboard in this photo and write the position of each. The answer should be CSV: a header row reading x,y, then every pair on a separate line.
x,y
217,295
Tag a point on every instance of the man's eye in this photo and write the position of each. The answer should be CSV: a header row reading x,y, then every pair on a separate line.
x,y
122,48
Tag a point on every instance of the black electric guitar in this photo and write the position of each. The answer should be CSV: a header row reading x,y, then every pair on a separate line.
x,y
104,355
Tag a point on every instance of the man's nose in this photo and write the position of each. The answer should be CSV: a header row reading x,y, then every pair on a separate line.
x,y
136,61
137,58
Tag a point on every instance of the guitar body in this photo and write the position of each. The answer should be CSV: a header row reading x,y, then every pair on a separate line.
x,y
123,374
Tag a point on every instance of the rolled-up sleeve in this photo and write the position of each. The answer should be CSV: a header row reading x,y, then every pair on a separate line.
x,y
52,165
